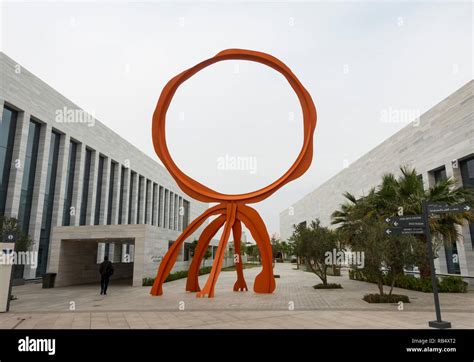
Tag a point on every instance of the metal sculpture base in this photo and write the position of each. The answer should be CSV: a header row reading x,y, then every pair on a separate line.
x,y
232,214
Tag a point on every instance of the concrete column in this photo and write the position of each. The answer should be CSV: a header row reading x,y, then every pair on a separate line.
x,y
78,183
38,194
60,187
134,198
17,167
142,201
126,195
104,201
149,202
116,194
92,188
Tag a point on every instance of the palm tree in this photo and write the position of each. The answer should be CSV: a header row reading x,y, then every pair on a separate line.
x,y
407,193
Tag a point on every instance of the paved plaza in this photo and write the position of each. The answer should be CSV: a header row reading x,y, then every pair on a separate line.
x,y
295,304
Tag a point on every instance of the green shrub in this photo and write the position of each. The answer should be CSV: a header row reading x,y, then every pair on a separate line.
x,y
175,276
449,284
327,286
148,282
386,298
452,284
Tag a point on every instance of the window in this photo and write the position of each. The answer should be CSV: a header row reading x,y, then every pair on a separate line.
x,y
130,196
467,175
214,251
187,251
176,211
107,251
98,196
7,137
452,258
180,214
171,214
185,214
166,221
147,202
153,205
160,206
85,187
48,203
29,171
71,169
170,242
113,168
140,192
121,196
439,174
467,172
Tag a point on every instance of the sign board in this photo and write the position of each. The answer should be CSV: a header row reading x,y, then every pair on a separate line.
x,y
404,231
9,237
412,221
443,208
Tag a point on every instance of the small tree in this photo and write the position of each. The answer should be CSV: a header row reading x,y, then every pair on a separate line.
x,y
9,225
207,254
311,244
252,251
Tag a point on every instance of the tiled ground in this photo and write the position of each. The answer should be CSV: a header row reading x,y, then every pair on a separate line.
x,y
128,307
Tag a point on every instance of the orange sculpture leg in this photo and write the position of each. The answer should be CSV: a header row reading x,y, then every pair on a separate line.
x,y
265,281
170,258
232,208
217,264
240,284
192,283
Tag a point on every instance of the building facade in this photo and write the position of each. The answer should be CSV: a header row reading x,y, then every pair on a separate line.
x,y
80,190
438,145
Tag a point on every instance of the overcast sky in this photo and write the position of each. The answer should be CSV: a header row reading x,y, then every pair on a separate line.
x,y
359,60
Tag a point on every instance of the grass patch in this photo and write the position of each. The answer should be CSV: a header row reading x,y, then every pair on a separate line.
x,y
327,286
146,282
386,298
447,284
244,266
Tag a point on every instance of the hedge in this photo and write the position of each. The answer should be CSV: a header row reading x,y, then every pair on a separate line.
x,y
448,284
175,276
327,286
386,298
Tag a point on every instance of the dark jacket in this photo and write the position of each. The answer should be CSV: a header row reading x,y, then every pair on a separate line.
x,y
106,269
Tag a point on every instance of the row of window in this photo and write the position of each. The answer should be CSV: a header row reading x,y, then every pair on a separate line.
x,y
466,168
172,210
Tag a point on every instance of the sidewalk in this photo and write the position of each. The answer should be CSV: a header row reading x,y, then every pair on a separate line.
x,y
295,304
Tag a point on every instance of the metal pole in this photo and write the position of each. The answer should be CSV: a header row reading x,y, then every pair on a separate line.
x,y
438,323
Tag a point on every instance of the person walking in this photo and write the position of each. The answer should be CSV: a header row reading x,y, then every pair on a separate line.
x,y
106,270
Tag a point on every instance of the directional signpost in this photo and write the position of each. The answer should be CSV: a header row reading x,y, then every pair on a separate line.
x,y
403,225
442,208
418,224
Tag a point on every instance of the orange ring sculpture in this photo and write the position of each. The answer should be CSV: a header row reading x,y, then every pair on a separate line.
x,y
232,209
